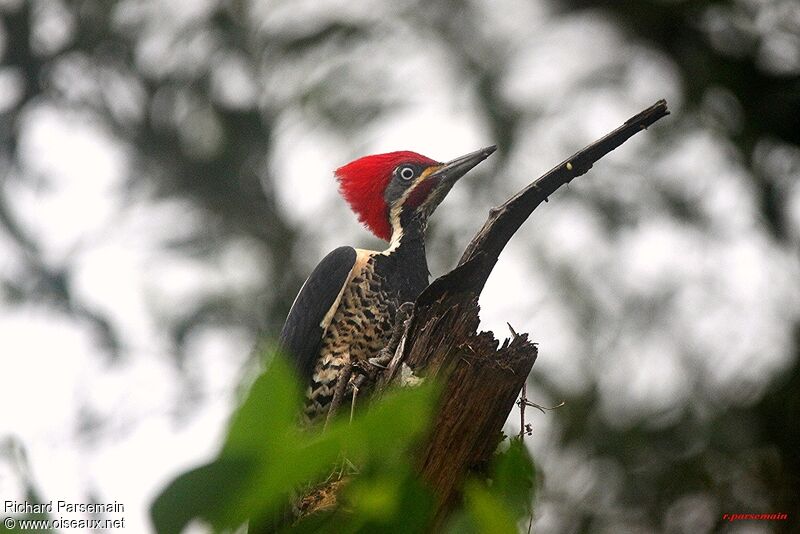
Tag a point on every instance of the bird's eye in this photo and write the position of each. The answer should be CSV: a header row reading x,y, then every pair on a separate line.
x,y
406,173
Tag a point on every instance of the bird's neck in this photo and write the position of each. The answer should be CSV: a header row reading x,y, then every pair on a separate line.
x,y
406,262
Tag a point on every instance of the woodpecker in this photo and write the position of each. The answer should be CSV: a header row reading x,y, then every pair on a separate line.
x,y
345,311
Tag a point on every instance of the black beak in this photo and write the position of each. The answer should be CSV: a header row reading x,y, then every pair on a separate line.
x,y
447,175
429,192
455,169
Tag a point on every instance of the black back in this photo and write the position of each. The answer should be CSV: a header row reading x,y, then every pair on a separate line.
x,y
301,336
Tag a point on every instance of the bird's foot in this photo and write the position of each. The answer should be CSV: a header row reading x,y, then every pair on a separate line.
x,y
384,357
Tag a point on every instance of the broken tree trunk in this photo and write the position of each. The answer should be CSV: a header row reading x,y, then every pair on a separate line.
x,y
481,379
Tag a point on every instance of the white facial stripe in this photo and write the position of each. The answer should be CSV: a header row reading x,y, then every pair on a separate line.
x,y
394,215
397,229
397,208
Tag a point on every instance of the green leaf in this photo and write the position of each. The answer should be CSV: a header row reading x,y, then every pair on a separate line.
x,y
266,456
270,409
383,498
223,492
506,498
383,432
208,492
393,499
389,426
488,513
513,478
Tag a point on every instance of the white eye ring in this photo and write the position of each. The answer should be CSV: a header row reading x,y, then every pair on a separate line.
x,y
406,173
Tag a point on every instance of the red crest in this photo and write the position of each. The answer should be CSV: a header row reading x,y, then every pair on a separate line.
x,y
362,183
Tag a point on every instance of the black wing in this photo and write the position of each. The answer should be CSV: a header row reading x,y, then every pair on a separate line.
x,y
301,335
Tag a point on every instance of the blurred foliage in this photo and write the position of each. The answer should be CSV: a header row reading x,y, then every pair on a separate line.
x,y
722,50
267,459
15,451
154,81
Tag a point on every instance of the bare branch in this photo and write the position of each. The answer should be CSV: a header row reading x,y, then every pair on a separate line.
x,y
505,220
